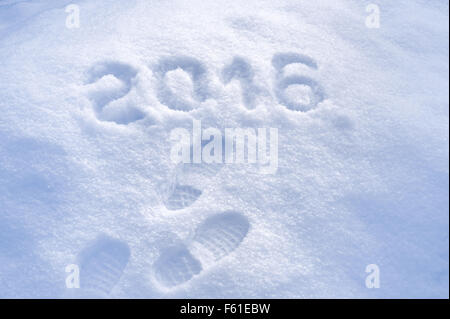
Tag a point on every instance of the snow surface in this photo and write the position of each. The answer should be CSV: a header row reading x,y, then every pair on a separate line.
x,y
86,177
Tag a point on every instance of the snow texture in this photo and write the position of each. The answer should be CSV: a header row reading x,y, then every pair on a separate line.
x,y
86,177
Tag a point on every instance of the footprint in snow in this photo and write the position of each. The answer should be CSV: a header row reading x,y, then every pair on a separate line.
x,y
181,197
214,239
101,265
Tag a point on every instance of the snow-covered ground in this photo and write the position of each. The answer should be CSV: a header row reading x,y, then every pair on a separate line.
x,y
86,176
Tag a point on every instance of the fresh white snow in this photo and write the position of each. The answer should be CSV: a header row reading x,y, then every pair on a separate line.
x,y
85,170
